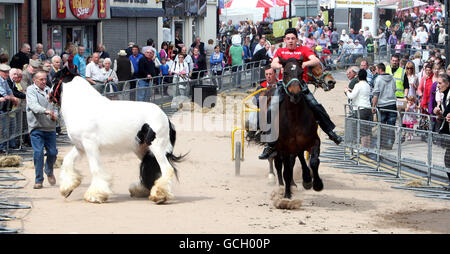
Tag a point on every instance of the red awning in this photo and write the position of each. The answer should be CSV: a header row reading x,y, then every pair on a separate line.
x,y
263,4
281,3
228,4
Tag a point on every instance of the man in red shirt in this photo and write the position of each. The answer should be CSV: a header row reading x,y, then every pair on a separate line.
x,y
309,59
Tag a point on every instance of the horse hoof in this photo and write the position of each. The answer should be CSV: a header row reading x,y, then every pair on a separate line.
x,y
307,186
93,196
97,198
288,204
67,194
317,185
138,190
159,195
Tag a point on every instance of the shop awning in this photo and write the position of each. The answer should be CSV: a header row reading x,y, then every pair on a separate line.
x,y
121,12
411,4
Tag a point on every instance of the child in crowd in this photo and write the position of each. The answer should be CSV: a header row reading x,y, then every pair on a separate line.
x,y
399,47
164,72
410,119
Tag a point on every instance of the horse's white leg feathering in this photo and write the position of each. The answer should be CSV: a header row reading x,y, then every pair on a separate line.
x,y
99,190
69,177
138,190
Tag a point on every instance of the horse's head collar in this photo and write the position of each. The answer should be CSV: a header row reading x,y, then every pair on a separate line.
x,y
63,76
324,80
292,78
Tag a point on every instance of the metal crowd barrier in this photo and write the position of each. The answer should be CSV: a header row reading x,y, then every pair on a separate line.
x,y
396,152
13,124
377,56
162,89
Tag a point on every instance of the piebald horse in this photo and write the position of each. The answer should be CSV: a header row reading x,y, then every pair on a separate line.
x,y
97,125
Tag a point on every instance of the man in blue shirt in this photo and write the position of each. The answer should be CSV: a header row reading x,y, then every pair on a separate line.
x,y
134,58
79,61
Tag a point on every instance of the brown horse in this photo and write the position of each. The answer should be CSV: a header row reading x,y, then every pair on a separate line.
x,y
320,77
297,130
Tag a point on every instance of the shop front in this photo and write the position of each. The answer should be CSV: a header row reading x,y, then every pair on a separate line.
x,y
9,26
360,14
135,21
73,21
189,19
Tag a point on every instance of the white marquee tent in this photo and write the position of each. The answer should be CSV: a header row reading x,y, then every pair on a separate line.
x,y
241,10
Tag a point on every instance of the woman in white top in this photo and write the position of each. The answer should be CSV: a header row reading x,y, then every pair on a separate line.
x,y
110,76
180,69
413,80
360,97
417,62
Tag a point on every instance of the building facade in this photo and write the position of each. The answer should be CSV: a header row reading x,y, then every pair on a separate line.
x,y
189,19
132,21
13,25
72,21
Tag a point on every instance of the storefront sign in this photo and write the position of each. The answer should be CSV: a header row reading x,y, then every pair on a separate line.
x,y
101,9
367,15
82,9
61,8
131,1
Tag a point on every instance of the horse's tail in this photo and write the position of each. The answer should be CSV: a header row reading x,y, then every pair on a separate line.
x,y
170,156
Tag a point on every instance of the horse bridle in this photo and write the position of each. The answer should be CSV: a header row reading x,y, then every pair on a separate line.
x,y
285,86
56,92
316,80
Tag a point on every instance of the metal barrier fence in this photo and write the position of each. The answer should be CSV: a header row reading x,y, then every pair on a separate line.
x,y
396,150
13,124
159,90
384,54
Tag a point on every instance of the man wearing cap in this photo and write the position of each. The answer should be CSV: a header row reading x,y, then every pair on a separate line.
x,y
344,36
41,118
358,51
346,52
309,60
79,61
123,67
6,100
129,50
22,57
27,78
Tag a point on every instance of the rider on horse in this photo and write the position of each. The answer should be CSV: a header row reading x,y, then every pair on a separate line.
x,y
309,60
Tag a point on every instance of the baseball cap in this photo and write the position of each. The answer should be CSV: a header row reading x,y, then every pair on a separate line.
x,y
35,63
4,67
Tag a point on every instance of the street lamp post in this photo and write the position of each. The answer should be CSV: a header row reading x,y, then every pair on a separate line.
x,y
447,16
290,13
